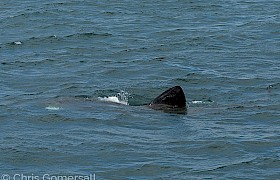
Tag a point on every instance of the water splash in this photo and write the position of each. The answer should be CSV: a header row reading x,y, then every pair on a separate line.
x,y
53,108
201,102
197,102
17,43
120,98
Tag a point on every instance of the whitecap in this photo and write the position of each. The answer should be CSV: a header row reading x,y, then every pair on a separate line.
x,y
53,108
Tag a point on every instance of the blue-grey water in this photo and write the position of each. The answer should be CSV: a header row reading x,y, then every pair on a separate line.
x,y
60,60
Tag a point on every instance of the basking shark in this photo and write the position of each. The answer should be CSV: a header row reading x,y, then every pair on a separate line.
x,y
172,100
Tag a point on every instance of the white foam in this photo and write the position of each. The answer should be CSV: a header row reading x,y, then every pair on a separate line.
x,y
53,108
197,102
113,99
120,98
17,42
200,102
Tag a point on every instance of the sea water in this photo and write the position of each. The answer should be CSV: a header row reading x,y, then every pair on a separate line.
x,y
76,76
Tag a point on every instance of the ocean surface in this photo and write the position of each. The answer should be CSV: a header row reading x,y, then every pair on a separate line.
x,y
76,76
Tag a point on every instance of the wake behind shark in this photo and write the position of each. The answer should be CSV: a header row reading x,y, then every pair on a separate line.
x,y
171,101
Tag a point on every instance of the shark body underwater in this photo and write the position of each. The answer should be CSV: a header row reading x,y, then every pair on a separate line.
x,y
172,100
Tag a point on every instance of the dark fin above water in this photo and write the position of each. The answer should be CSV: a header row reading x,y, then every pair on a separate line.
x,y
171,100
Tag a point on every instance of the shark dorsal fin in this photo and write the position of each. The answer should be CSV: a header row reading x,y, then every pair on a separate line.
x,y
173,98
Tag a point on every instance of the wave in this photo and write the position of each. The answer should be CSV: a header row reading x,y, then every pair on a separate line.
x,y
52,39
252,163
88,34
32,41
